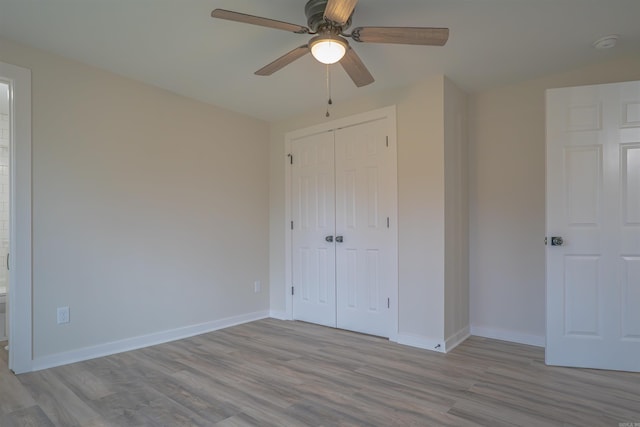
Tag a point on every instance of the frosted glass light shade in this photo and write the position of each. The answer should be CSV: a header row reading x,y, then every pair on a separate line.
x,y
328,50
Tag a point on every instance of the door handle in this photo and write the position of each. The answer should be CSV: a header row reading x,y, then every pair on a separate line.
x,y
329,239
339,239
557,241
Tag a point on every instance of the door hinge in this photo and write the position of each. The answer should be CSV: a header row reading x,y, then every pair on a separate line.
x,y
388,223
292,292
387,141
292,225
290,156
388,302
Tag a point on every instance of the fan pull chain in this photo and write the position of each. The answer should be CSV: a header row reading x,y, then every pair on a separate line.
x,y
329,102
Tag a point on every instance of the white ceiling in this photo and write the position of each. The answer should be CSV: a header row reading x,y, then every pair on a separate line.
x,y
176,45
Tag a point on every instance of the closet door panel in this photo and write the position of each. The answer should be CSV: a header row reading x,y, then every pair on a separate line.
x,y
313,210
363,204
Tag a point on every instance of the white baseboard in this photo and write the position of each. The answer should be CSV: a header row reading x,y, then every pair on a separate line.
x,y
421,342
503,335
434,344
280,315
135,343
456,339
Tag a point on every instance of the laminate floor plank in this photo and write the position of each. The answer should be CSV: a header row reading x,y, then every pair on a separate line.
x,y
26,417
236,394
13,396
278,373
62,406
249,387
588,400
489,414
239,420
82,382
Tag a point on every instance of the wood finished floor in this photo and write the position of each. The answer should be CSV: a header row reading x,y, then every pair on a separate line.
x,y
275,373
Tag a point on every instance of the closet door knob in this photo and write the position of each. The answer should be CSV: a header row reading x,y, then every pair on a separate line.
x,y
329,239
339,239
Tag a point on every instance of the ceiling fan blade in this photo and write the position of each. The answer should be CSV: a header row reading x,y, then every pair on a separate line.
x,y
401,35
356,69
257,20
283,61
339,11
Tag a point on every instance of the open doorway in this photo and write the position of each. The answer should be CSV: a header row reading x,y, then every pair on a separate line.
x,y
16,131
4,212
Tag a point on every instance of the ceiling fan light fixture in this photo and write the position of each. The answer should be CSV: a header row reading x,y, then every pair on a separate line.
x,y
328,20
328,49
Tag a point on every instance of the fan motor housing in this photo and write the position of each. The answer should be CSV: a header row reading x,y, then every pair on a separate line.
x,y
314,10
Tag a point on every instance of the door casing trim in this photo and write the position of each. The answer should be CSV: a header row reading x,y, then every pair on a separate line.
x,y
20,225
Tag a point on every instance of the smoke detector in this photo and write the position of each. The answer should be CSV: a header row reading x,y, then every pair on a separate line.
x,y
606,42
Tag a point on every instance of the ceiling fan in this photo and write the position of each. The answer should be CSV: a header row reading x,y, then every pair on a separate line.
x,y
328,20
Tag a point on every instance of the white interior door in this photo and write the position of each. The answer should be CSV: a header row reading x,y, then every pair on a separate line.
x,y
313,212
365,239
593,204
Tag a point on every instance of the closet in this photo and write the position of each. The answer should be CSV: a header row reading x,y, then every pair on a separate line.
x,y
343,201
426,289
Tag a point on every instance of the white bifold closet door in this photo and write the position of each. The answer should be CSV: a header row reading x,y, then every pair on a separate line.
x,y
313,209
343,203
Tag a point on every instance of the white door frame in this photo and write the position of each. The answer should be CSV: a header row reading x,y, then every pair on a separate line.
x,y
20,273
386,113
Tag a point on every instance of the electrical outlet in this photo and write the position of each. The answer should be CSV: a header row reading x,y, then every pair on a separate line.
x,y
257,286
63,315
